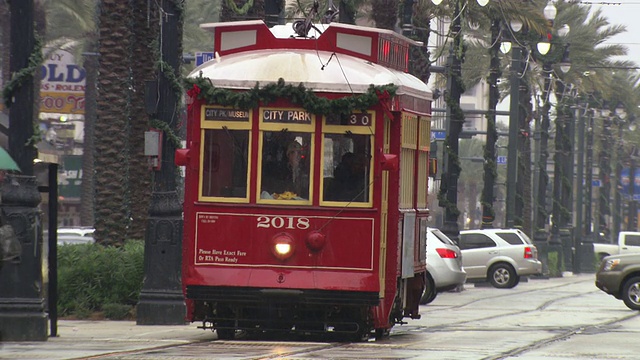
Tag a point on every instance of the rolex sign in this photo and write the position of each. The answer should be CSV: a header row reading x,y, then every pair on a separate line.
x,y
63,84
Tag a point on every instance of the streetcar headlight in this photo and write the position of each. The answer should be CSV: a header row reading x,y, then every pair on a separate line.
x,y
283,249
282,246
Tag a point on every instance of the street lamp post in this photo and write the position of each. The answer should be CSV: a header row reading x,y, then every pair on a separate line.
x,y
22,306
512,150
604,174
490,172
579,190
448,197
161,299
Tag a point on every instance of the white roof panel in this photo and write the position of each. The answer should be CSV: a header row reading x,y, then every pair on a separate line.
x,y
318,70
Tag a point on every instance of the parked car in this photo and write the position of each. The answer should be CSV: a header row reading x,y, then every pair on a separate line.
x,y
500,256
628,242
79,231
619,275
444,265
66,239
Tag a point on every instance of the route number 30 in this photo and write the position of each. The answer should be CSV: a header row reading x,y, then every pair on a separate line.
x,y
283,222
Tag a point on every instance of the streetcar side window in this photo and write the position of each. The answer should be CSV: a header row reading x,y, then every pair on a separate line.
x,y
347,164
225,163
285,165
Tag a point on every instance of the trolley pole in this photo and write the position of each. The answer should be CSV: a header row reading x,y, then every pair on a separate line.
x,y
161,298
22,304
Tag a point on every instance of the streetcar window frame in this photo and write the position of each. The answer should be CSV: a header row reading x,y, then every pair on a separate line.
x,y
224,125
334,129
292,128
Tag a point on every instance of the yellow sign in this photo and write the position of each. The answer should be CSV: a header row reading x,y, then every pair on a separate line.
x,y
63,84
62,102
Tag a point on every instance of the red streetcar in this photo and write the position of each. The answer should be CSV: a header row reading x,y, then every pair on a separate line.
x,y
307,165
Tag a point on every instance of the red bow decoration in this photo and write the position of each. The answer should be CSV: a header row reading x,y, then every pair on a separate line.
x,y
384,99
193,94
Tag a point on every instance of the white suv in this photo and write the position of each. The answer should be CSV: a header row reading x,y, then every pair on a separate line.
x,y
499,255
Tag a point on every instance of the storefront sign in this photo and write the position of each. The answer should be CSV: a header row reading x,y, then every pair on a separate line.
x,y
63,84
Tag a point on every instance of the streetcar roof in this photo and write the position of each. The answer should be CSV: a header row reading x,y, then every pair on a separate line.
x,y
321,71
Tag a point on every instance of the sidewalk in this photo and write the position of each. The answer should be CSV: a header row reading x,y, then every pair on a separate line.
x,y
79,339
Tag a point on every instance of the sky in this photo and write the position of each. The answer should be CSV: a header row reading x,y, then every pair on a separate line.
x,y
623,12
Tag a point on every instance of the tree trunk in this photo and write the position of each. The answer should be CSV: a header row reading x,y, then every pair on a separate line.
x,y
111,127
145,32
385,13
87,187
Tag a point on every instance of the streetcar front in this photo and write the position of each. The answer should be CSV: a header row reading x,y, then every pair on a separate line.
x,y
287,218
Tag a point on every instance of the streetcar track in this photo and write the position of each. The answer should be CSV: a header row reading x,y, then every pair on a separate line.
x,y
304,349
517,292
493,317
566,335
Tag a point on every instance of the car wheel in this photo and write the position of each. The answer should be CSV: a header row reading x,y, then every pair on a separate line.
x,y
515,283
226,334
631,293
502,276
430,291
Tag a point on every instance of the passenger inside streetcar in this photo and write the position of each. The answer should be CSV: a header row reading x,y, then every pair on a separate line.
x,y
349,178
288,178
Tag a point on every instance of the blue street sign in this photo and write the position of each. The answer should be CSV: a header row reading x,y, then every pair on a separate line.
x,y
596,183
438,135
501,160
203,57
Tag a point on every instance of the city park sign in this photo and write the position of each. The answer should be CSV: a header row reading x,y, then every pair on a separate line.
x,y
63,84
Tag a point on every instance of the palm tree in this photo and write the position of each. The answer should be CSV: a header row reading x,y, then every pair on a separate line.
x,y
112,125
233,10
143,70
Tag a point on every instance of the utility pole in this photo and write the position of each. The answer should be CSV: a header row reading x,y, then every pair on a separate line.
x,y
22,305
161,299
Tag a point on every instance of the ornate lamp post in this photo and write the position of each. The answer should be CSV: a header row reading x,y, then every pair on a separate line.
x,y
22,309
161,300
448,195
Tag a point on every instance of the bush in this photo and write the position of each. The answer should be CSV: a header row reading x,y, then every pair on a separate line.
x,y
556,267
95,278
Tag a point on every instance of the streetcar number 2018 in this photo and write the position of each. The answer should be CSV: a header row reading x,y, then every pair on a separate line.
x,y
283,222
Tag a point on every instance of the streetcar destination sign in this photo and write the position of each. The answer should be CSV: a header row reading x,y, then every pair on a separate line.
x,y
221,114
286,116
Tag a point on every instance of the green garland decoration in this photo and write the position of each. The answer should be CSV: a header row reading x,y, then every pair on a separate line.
x,y
171,135
241,11
18,78
297,95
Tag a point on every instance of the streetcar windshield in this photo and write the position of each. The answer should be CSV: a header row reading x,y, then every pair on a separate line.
x,y
285,165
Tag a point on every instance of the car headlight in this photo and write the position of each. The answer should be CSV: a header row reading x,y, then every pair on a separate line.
x,y
610,264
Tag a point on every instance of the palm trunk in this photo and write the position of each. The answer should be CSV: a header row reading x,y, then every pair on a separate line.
x,y
111,144
145,32
87,188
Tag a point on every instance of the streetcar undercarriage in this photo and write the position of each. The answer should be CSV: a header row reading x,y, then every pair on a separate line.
x,y
309,312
